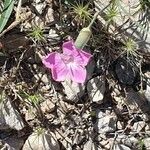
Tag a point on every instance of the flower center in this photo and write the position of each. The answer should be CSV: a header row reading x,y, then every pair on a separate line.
x,y
67,59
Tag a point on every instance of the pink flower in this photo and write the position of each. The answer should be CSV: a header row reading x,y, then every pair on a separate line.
x,y
70,64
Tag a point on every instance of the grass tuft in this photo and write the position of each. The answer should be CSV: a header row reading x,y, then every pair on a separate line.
x,y
82,13
37,34
130,48
111,14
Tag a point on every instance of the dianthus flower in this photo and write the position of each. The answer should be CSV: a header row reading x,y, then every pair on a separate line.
x,y
68,65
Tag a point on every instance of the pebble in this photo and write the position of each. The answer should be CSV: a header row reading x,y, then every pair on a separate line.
x,y
47,106
30,114
138,126
9,116
119,125
41,140
73,90
53,37
43,77
105,123
40,6
96,89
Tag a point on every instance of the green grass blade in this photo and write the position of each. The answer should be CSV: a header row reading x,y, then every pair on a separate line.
x,y
6,12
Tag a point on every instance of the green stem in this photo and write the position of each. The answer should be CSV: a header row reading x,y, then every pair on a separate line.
x,y
93,20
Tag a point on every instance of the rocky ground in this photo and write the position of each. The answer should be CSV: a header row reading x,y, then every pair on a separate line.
x,y
111,111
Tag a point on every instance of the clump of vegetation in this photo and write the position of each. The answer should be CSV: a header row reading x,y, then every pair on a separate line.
x,y
33,101
130,48
81,13
111,14
37,34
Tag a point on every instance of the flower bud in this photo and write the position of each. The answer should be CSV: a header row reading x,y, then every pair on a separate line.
x,y
83,38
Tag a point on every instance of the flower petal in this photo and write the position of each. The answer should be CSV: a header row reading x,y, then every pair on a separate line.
x,y
59,72
68,47
77,74
82,58
52,59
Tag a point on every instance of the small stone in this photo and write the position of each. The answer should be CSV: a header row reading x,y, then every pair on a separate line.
x,y
119,125
41,140
53,37
9,116
138,126
106,123
40,6
147,128
37,22
96,89
99,114
73,90
49,16
43,77
30,114
108,146
46,88
47,106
